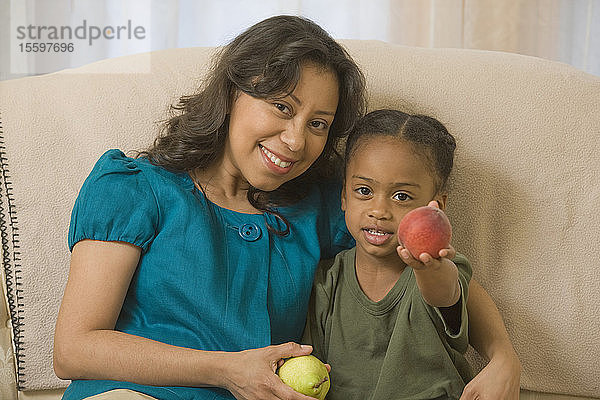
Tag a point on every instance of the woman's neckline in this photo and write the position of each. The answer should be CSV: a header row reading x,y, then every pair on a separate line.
x,y
198,189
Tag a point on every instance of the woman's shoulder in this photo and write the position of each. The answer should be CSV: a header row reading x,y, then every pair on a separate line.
x,y
116,163
321,194
329,187
115,203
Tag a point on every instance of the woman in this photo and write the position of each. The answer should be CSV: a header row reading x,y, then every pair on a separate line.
x,y
194,283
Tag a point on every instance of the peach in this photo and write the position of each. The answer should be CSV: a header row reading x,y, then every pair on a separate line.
x,y
425,230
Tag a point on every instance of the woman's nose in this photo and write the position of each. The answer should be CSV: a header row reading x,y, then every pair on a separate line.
x,y
294,136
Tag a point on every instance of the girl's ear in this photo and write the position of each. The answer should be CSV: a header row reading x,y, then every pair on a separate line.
x,y
441,199
343,196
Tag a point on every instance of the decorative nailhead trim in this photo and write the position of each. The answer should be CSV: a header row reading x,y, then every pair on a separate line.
x,y
11,258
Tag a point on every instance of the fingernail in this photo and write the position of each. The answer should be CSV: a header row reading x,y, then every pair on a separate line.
x,y
305,346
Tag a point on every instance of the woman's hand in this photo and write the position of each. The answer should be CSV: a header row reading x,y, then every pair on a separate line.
x,y
500,379
250,375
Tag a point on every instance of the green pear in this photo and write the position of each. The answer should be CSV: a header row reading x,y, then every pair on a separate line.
x,y
307,375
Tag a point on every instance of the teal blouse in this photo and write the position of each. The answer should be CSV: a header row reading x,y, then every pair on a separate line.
x,y
208,278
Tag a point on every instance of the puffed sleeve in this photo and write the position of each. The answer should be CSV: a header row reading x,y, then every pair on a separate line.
x,y
334,234
115,203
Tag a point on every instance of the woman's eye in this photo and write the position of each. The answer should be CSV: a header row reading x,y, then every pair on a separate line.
x,y
319,125
402,196
282,107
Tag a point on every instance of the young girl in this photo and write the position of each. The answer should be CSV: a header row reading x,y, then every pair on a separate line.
x,y
392,326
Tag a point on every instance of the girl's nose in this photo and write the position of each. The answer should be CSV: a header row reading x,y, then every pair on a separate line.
x,y
379,210
294,136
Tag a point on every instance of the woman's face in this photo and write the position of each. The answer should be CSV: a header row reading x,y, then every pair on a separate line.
x,y
272,141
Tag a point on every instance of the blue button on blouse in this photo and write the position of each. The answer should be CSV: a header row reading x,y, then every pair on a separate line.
x,y
250,232
208,278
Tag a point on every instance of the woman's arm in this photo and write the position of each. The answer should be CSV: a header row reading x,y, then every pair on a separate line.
x,y
500,378
86,346
85,343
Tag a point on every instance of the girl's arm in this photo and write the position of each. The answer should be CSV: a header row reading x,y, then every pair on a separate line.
x,y
86,346
500,379
437,278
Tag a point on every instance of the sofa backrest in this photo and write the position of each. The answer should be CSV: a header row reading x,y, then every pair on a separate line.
x,y
523,202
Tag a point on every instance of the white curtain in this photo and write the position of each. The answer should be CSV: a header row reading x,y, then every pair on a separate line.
x,y
562,30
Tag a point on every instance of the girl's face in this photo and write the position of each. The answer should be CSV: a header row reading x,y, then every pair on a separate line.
x,y
272,141
385,179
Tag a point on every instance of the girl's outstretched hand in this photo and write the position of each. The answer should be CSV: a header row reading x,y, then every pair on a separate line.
x,y
426,261
250,375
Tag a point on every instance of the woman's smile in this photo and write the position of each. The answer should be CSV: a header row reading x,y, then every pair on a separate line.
x,y
276,162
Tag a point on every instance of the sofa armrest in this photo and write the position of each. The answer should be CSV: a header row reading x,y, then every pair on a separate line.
x,y
8,379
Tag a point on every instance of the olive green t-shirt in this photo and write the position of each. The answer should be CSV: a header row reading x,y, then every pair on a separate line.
x,y
397,348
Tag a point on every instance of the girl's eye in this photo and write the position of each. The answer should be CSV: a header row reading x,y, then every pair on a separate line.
x,y
401,196
363,191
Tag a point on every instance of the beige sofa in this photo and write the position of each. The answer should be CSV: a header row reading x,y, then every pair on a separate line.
x,y
524,203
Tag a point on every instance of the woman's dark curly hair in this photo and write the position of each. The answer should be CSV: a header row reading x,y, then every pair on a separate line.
x,y
429,136
264,62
